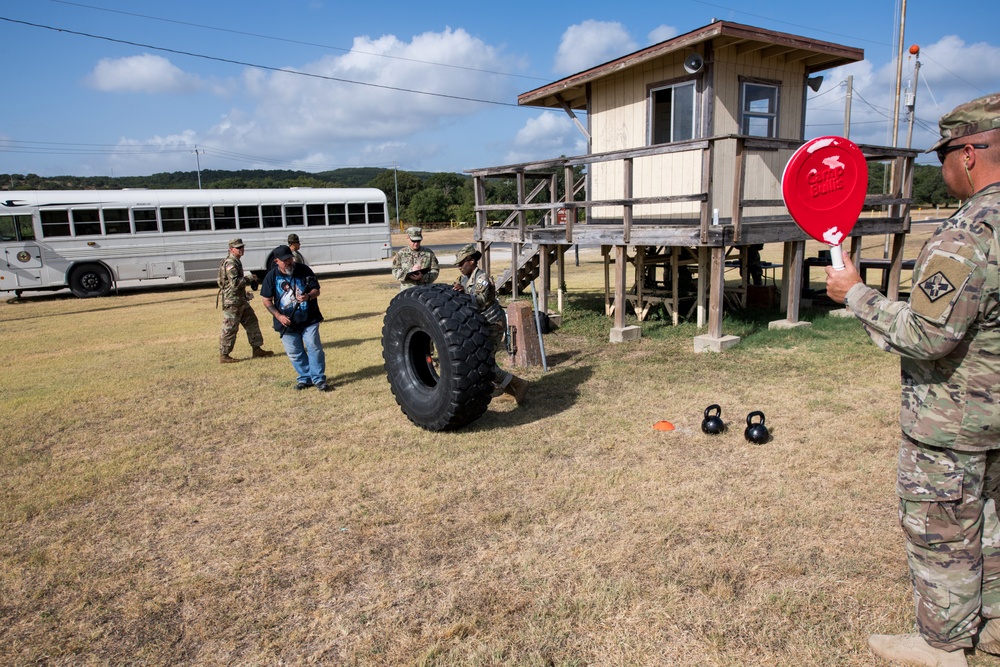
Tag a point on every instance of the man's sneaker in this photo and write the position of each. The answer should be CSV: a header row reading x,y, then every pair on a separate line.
x,y
303,385
323,386
914,650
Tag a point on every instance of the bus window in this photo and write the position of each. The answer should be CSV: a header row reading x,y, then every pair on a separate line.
x,y
225,217
145,220
337,213
86,222
173,219
376,214
54,223
355,214
249,217
315,215
272,215
198,219
25,229
7,229
293,216
116,221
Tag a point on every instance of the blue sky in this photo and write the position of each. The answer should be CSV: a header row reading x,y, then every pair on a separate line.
x,y
82,104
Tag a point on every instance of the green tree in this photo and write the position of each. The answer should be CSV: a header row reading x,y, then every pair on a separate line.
x,y
407,184
428,205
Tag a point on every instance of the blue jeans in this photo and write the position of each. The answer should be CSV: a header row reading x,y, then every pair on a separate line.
x,y
306,354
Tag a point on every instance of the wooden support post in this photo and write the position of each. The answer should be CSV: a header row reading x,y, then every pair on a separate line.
x,y
675,277
792,283
640,268
568,198
895,266
738,189
703,264
560,275
606,254
717,285
627,169
515,278
522,219
621,275
545,274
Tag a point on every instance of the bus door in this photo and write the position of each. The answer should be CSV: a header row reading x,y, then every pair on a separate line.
x,y
22,257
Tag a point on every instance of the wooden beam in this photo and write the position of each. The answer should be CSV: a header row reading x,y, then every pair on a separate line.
x,y
621,269
716,292
797,256
738,185
627,175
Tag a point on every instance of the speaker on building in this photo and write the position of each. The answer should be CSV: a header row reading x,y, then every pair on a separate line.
x,y
693,63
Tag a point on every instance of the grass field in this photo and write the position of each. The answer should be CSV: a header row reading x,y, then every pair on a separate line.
x,y
158,508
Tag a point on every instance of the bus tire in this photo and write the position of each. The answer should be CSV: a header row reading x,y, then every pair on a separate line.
x,y
453,389
90,280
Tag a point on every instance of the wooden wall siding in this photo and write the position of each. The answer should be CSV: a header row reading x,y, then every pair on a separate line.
x,y
676,174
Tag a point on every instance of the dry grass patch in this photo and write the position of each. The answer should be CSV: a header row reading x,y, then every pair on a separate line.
x,y
159,508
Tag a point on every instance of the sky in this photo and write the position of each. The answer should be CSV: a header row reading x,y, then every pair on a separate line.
x,y
136,87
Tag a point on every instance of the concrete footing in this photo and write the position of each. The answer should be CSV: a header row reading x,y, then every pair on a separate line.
x,y
707,343
785,324
620,335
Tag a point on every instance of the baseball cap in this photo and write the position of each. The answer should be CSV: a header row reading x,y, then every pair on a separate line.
x,y
973,117
283,252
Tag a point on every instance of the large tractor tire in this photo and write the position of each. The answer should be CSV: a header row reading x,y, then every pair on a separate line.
x,y
438,357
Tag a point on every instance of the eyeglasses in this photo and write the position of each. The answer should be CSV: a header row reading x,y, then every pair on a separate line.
x,y
944,150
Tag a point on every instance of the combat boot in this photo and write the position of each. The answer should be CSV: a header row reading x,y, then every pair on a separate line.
x,y
259,352
914,650
517,388
989,637
226,359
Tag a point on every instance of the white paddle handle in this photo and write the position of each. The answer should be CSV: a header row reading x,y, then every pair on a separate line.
x,y
837,257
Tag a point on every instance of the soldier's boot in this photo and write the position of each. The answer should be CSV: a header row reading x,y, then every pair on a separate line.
x,y
989,637
226,359
914,650
259,352
517,388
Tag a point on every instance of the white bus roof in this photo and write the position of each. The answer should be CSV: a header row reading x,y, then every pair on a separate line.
x,y
14,199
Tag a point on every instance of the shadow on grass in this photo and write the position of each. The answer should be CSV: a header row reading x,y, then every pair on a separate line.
x,y
553,393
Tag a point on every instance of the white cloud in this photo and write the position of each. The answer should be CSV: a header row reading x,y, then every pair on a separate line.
x,y
951,72
591,43
142,74
546,136
662,33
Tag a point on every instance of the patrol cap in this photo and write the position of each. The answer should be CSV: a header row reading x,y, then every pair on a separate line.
x,y
283,252
972,117
236,243
467,252
293,238
415,233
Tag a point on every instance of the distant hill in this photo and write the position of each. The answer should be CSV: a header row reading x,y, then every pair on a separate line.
x,y
348,177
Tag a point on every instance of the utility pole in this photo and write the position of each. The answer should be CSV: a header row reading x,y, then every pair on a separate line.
x,y
395,187
197,157
847,106
911,98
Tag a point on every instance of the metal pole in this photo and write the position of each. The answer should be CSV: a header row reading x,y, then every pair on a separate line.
x,y
395,187
197,157
911,102
847,106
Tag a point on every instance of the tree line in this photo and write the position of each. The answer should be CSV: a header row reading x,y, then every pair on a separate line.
x,y
424,197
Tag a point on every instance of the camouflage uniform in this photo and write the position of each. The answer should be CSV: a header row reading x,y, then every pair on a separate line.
x,y
480,286
236,308
404,261
948,337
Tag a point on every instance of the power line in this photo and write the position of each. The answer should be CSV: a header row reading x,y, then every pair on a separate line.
x,y
255,66
293,41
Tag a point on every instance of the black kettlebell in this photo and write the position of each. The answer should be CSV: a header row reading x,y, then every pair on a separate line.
x,y
756,432
713,424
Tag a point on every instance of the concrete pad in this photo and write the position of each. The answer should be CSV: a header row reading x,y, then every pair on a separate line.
x,y
625,334
842,312
707,343
785,324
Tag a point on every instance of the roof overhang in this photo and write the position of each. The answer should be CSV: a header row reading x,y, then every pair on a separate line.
x,y
814,54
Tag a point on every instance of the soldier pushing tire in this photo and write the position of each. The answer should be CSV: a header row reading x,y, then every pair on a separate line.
x,y
438,357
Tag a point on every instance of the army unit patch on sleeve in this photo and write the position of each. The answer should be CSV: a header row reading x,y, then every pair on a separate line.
x,y
935,295
936,287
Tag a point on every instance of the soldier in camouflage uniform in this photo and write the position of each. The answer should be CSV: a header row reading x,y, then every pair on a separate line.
x,y
414,265
948,338
236,308
477,283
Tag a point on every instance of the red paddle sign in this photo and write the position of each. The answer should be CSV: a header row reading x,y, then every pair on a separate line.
x,y
824,187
